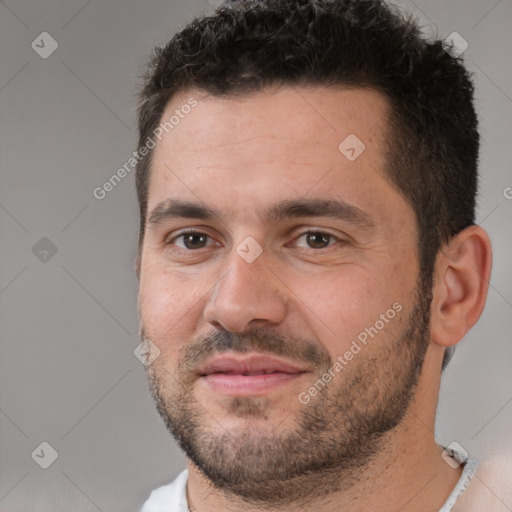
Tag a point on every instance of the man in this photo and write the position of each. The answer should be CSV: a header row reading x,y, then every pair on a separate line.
x,y
308,256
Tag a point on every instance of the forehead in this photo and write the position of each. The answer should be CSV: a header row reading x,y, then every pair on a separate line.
x,y
279,144
313,116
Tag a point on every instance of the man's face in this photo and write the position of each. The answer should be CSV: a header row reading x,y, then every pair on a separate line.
x,y
308,259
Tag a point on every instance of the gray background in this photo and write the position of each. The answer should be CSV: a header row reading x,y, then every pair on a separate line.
x,y
69,322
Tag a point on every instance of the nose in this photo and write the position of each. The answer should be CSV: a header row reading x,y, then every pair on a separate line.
x,y
247,295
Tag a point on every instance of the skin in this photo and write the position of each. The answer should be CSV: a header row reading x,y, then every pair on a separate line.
x,y
240,155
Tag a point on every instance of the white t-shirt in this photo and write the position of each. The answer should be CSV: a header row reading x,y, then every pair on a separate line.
x,y
173,497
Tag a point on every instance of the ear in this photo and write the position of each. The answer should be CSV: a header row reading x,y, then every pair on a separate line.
x,y
461,282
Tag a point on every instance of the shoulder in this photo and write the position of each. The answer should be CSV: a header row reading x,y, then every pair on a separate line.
x,y
168,497
490,489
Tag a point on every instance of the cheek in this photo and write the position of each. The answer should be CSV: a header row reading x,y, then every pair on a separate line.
x,y
169,304
338,306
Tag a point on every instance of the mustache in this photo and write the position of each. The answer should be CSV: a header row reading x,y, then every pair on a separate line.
x,y
258,340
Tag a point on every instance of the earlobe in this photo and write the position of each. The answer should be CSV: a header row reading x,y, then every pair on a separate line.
x,y
461,282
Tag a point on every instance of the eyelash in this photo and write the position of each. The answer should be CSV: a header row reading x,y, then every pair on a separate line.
x,y
311,231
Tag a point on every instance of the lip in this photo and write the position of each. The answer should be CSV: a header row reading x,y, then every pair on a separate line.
x,y
245,375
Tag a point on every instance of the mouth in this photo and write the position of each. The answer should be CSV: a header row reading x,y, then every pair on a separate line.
x,y
248,374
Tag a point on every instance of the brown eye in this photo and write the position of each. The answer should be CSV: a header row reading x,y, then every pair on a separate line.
x,y
191,240
194,240
318,240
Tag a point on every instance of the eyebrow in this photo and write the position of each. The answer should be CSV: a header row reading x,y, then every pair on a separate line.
x,y
290,208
